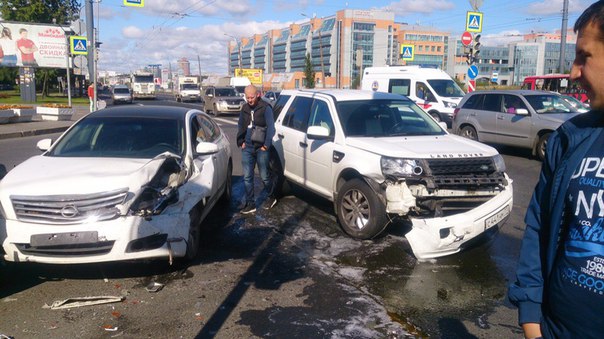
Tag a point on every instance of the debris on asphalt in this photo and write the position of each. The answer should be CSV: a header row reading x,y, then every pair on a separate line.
x,y
110,328
83,301
154,287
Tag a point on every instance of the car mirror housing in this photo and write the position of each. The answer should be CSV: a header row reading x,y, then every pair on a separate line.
x,y
522,111
318,132
44,144
206,148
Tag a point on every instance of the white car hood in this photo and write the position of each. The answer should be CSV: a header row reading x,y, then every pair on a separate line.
x,y
441,146
43,175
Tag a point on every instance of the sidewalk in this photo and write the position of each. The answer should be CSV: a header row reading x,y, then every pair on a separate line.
x,y
39,127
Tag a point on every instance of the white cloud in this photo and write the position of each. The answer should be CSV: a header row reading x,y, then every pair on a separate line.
x,y
138,47
502,38
553,7
197,7
406,7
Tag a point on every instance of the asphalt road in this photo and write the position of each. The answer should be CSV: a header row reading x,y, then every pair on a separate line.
x,y
287,272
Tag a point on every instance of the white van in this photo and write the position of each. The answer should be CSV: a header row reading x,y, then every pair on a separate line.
x,y
432,89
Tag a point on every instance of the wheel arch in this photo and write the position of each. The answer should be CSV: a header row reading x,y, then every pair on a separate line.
x,y
351,173
538,136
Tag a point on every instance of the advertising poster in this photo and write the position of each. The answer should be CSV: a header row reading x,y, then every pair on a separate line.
x,y
32,45
254,74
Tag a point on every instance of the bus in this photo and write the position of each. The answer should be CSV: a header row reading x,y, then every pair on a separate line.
x,y
143,85
560,83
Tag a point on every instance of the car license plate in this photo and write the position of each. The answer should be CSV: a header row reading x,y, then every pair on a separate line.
x,y
497,217
57,239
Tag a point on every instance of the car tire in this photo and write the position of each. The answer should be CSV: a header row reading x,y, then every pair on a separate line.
x,y
282,186
436,116
360,212
226,196
194,233
541,145
469,132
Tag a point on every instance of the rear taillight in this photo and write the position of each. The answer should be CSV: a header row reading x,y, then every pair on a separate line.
x,y
455,111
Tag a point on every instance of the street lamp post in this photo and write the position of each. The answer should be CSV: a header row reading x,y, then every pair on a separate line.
x,y
314,17
238,51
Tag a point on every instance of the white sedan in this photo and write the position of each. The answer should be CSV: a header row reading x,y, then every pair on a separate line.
x,y
122,183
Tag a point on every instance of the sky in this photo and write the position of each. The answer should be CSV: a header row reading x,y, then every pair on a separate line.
x,y
165,30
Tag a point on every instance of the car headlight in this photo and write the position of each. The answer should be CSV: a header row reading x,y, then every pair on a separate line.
x,y
400,167
450,104
499,163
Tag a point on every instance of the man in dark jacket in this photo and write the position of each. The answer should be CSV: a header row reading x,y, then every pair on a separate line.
x,y
256,114
559,289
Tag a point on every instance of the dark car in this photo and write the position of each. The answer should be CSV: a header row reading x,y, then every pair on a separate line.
x,y
271,97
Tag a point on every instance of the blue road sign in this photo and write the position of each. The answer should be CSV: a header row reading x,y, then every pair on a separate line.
x,y
134,3
78,45
407,52
474,22
472,72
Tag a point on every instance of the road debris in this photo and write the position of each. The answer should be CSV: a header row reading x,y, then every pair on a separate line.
x,y
154,287
83,301
110,328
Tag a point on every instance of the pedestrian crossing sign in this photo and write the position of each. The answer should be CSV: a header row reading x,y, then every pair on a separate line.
x,y
78,45
134,3
474,22
407,52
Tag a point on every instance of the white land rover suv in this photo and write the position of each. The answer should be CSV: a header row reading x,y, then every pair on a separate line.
x,y
380,158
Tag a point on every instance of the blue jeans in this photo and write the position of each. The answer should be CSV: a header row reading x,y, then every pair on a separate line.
x,y
249,158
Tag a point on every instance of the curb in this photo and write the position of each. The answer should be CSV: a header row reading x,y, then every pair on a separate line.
x,y
35,132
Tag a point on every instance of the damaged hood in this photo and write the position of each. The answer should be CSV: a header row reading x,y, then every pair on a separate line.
x,y
433,146
44,175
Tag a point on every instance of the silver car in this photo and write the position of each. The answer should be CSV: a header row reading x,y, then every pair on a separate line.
x,y
519,118
121,93
222,100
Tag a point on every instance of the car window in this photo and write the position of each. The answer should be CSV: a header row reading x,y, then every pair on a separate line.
x,y
427,93
210,128
511,103
121,90
548,103
121,137
399,86
474,101
320,116
208,91
385,118
226,92
446,88
278,107
297,114
492,102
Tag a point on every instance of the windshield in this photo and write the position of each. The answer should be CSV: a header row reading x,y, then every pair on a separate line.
x,y
189,86
121,90
446,88
385,118
226,92
143,78
120,137
549,103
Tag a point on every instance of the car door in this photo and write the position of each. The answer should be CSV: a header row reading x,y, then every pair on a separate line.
x,y
292,136
318,157
513,129
485,116
206,167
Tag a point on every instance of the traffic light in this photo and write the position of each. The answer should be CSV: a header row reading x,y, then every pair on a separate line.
x,y
474,51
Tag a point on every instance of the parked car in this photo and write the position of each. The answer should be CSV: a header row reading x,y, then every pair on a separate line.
x,y
122,183
520,118
379,157
121,93
219,100
271,97
576,103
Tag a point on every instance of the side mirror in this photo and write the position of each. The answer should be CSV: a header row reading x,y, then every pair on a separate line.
x,y
318,132
522,111
44,144
210,95
204,148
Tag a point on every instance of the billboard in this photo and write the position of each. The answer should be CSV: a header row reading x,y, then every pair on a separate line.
x,y
254,74
32,45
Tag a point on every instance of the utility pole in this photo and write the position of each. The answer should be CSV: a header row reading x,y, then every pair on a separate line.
x,y
199,65
90,35
563,37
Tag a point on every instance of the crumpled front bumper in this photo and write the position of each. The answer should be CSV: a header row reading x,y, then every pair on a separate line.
x,y
437,237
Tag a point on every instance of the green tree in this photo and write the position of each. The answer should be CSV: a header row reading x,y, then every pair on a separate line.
x,y
309,72
60,12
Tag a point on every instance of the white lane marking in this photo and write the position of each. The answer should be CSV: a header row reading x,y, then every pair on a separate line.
x,y
223,120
